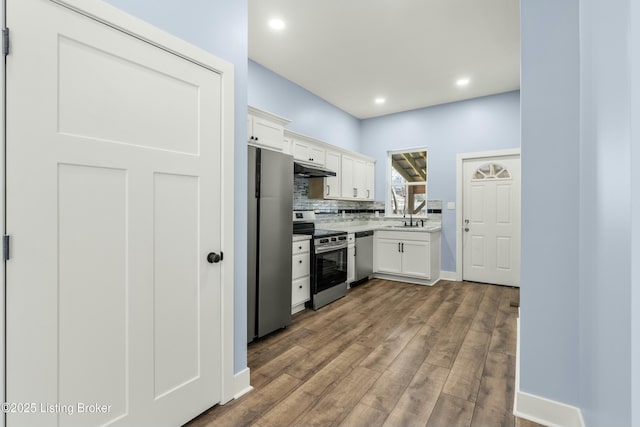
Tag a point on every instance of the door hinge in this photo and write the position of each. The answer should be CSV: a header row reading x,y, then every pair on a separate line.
x,y
5,41
6,241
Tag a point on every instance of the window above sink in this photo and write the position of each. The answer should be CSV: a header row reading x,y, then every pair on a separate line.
x,y
407,183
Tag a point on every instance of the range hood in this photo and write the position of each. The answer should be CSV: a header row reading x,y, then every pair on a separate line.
x,y
307,170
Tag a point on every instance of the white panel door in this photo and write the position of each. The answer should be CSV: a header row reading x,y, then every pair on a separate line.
x,y
113,202
491,220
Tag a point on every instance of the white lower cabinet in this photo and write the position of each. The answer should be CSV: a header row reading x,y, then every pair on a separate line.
x,y
300,275
351,257
411,254
415,259
388,256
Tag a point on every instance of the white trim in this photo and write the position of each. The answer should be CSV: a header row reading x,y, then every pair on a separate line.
x,y
449,275
114,17
2,219
406,279
242,385
539,409
387,184
546,412
267,115
460,158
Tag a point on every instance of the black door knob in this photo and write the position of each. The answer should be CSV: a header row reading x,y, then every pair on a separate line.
x,y
214,258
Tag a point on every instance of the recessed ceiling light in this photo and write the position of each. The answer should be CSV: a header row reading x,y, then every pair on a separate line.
x,y
380,100
462,82
277,24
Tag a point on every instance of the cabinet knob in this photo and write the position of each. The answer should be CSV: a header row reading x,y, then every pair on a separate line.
x,y
300,286
300,261
299,247
256,138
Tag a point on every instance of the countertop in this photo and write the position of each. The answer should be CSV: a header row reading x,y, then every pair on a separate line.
x,y
300,237
376,226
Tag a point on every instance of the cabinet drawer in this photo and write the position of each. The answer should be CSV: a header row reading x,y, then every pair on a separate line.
x,y
421,236
300,266
300,247
300,291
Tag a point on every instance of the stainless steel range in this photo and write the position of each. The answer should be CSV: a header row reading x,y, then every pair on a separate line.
x,y
328,260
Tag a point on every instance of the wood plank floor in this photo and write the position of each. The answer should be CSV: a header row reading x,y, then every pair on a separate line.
x,y
389,354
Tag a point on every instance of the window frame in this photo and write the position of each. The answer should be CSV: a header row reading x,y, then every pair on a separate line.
x,y
388,208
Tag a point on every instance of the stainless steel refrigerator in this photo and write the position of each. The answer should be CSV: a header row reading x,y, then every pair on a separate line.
x,y
270,204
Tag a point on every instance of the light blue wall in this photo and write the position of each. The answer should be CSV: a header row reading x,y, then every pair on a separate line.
x,y
605,208
220,27
480,124
577,328
309,114
634,50
550,199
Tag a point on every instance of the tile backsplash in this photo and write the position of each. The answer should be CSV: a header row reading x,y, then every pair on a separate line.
x,y
333,209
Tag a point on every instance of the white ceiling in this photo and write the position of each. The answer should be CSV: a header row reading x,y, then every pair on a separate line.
x,y
411,52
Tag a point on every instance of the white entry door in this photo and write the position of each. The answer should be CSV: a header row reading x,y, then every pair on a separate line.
x,y
113,203
491,220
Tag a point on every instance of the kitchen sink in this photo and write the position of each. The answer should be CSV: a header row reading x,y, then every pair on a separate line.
x,y
409,228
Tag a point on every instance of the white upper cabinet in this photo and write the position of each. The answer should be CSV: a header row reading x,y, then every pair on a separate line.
x,y
347,185
359,179
355,181
369,175
332,183
266,129
355,172
308,152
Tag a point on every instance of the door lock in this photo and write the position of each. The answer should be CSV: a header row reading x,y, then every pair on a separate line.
x,y
214,258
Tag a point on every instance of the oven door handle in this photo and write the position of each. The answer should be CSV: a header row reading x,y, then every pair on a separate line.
x,y
326,249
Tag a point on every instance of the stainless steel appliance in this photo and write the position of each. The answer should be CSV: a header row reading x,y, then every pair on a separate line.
x,y
311,171
328,260
270,201
364,255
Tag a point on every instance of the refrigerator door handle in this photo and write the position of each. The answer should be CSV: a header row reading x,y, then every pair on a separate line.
x,y
258,171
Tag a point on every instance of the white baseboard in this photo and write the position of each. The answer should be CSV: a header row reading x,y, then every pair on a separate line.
x,y
242,383
546,412
405,279
540,409
449,275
